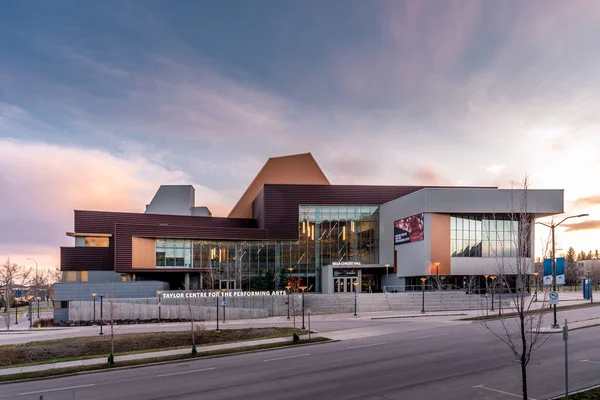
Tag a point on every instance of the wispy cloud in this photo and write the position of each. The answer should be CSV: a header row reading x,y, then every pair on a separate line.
x,y
583,226
589,201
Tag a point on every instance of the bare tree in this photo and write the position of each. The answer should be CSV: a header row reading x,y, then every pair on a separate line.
x,y
112,311
521,334
192,330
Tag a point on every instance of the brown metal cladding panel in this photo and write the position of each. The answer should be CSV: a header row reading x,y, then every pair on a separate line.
x,y
125,232
86,259
281,202
258,209
103,222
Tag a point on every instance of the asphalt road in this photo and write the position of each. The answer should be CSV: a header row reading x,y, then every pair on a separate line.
x,y
451,361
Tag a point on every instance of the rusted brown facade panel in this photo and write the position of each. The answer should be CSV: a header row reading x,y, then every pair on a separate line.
x,y
103,222
87,258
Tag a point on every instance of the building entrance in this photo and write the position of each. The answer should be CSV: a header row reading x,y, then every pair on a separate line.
x,y
344,285
343,281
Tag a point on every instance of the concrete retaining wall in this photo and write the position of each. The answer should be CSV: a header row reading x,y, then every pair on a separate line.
x,y
84,311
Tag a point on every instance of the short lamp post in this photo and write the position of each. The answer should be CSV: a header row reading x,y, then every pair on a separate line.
x,y
38,307
101,314
287,288
303,288
16,314
94,297
423,279
217,296
552,227
387,275
536,286
493,278
159,293
437,270
355,283
223,291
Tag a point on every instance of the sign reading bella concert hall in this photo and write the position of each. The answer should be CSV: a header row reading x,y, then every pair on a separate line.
x,y
190,294
409,229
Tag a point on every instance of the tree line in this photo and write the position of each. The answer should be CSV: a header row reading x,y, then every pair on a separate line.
x,y
14,277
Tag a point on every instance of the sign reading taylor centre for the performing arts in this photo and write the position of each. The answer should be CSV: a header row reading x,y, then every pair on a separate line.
x,y
409,229
190,294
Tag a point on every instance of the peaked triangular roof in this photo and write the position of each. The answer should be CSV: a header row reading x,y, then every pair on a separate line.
x,y
300,169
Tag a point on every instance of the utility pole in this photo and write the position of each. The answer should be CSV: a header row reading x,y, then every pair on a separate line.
x,y
566,339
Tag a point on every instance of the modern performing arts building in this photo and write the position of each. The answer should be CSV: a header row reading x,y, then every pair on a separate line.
x,y
292,224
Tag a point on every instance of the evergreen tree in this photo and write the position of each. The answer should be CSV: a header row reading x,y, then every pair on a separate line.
x,y
581,255
589,255
596,255
571,256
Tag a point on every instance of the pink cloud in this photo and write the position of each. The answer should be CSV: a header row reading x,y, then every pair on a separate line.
x,y
42,184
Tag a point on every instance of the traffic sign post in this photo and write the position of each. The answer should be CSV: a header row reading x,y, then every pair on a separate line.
x,y
553,298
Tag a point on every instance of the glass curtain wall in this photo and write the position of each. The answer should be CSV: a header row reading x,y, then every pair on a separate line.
x,y
326,235
484,236
336,234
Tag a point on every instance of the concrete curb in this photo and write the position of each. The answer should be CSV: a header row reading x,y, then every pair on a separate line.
x,y
419,316
575,392
43,378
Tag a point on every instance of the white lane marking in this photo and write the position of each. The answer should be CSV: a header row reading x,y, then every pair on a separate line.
x,y
428,336
365,345
588,361
499,391
284,358
187,372
57,389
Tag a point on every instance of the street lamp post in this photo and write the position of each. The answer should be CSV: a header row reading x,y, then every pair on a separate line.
x,y
437,270
287,288
355,283
36,276
536,285
552,226
423,279
218,295
16,314
303,288
493,278
94,297
101,314
38,307
387,275
159,293
224,290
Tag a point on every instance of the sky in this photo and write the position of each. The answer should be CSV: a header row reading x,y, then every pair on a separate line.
x,y
103,101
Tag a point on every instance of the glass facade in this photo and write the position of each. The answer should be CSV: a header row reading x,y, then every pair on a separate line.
x,y
326,235
483,236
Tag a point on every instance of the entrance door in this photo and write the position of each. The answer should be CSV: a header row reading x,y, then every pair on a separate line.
x,y
345,284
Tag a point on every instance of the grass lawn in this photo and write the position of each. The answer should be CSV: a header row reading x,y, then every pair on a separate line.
x,y
78,348
102,367
592,394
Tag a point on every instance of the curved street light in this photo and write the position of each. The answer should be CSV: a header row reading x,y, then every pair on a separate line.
x,y
552,226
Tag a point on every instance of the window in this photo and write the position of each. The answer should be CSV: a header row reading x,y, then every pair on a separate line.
x,y
93,241
70,276
485,236
84,276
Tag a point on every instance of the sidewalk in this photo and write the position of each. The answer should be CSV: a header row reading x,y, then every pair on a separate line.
x,y
138,356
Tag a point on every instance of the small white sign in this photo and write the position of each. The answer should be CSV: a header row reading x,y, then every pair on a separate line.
x,y
308,310
553,298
